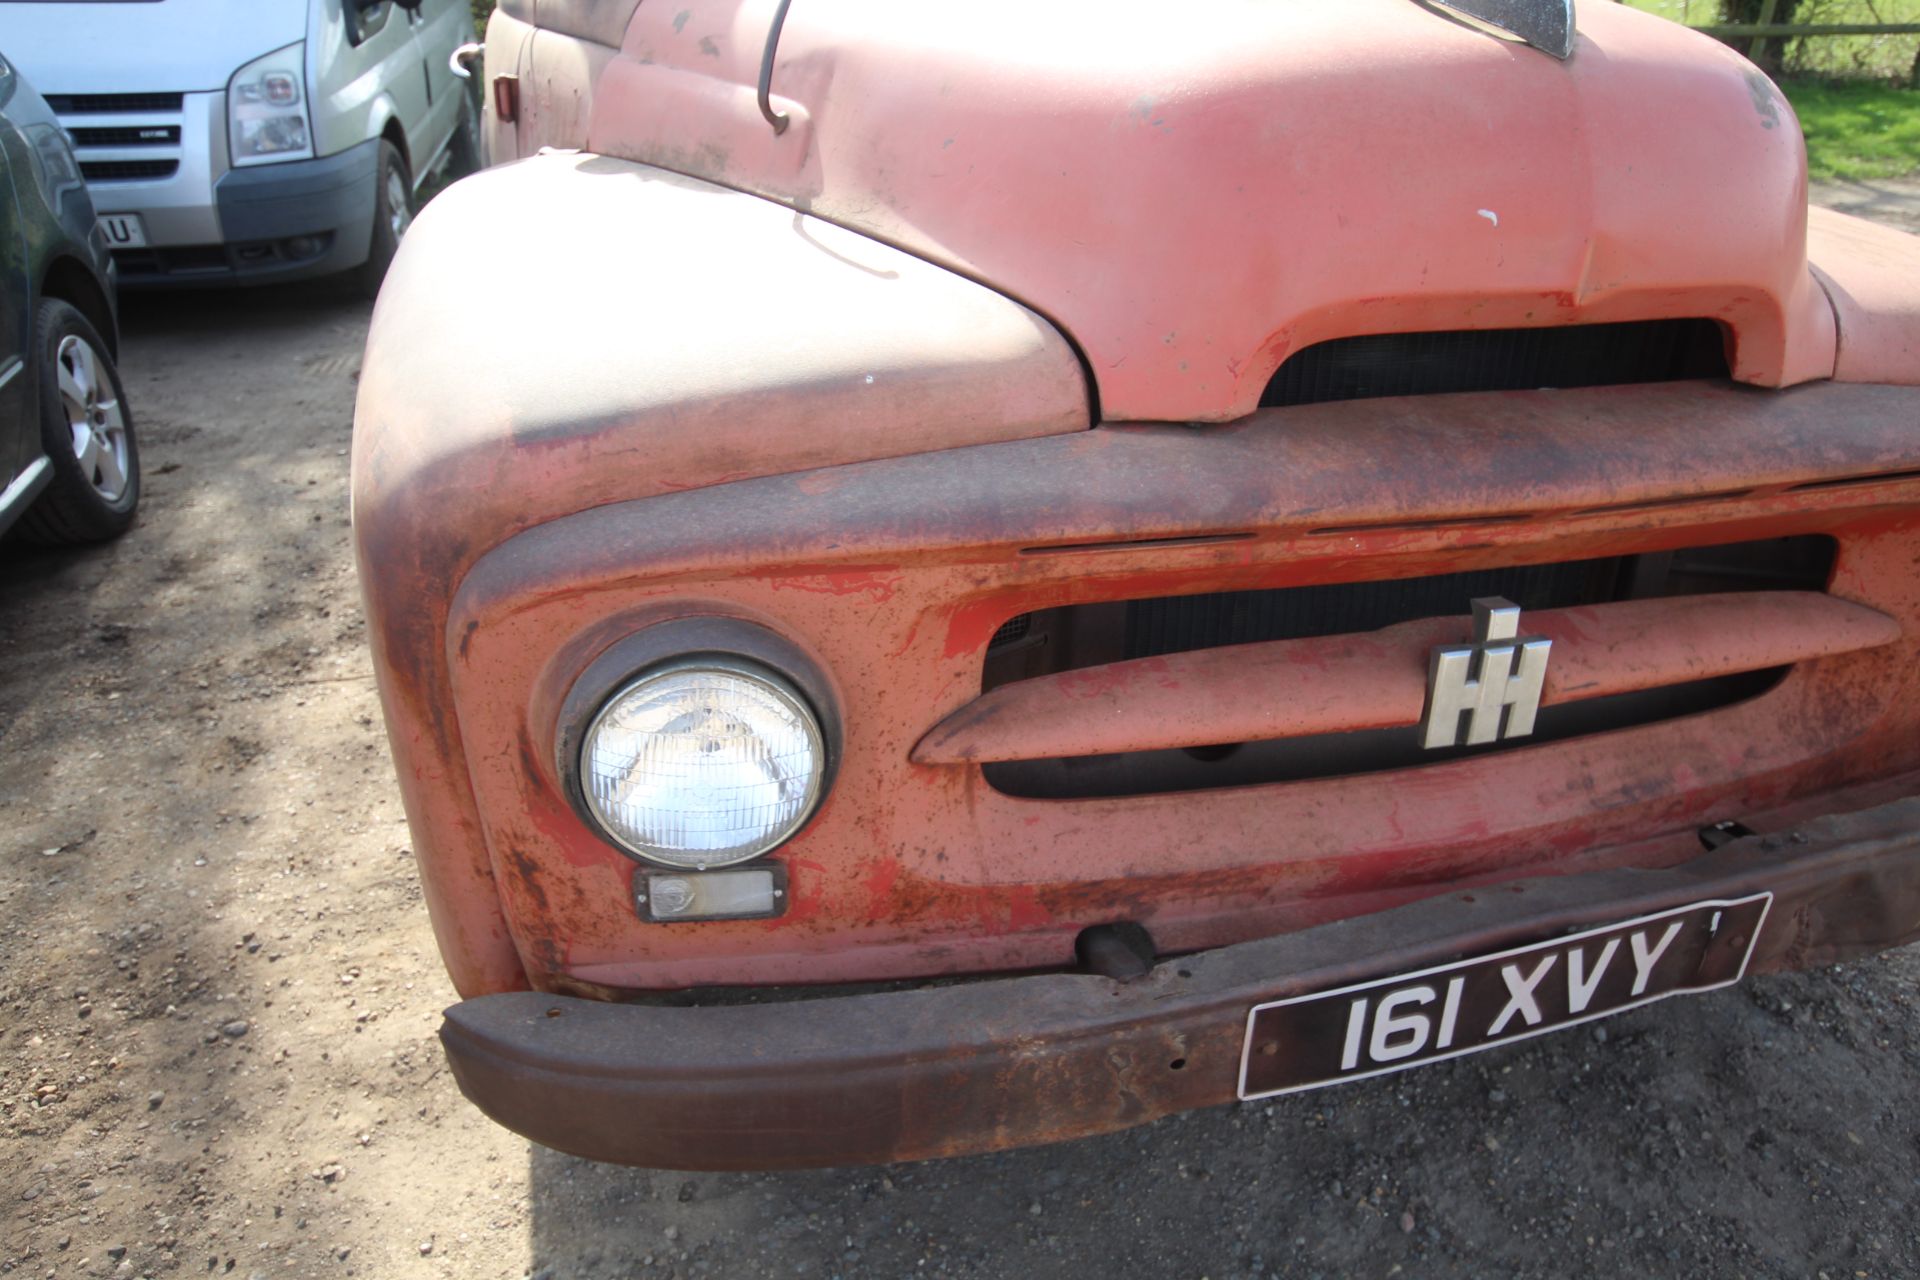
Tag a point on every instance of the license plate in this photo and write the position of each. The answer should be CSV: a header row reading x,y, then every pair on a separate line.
x,y
1306,1042
122,230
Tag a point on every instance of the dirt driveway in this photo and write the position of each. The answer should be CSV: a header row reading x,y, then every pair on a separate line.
x,y
218,991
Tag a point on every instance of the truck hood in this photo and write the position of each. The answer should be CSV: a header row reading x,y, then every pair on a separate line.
x,y
150,46
1194,191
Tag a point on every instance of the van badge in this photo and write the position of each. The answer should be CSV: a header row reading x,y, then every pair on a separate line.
x,y
1493,683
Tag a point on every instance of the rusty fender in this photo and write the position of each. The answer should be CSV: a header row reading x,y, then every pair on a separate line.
x,y
988,1065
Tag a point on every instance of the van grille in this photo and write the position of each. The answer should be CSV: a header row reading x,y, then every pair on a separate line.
x,y
100,104
127,135
127,170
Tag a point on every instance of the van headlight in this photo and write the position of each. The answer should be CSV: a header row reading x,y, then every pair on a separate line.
x,y
267,108
703,762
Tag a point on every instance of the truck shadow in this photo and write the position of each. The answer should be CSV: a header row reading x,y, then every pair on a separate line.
x,y
219,313
1676,1139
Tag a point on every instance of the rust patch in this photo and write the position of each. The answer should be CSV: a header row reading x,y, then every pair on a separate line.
x,y
983,1066
1766,103
877,583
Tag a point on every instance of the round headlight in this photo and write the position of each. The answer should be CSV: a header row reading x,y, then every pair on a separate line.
x,y
703,764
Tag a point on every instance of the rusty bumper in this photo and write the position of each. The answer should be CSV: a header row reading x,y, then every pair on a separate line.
x,y
834,1079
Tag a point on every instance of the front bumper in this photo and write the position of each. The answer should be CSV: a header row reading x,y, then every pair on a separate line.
x,y
278,222
983,1066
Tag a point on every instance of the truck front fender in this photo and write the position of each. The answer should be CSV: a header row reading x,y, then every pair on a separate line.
x,y
571,331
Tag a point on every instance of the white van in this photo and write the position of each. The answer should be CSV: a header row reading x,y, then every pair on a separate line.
x,y
241,143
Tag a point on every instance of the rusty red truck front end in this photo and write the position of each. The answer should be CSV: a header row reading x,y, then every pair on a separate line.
x,y
945,578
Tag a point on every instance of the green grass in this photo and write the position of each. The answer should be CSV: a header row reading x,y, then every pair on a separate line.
x,y
1857,129
1852,93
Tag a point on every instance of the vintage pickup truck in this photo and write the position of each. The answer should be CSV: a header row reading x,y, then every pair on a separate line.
x,y
951,576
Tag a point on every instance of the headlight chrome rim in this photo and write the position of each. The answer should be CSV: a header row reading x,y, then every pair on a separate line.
x,y
786,690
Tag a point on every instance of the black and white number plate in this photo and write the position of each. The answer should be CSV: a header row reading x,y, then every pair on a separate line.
x,y
122,230
1391,1024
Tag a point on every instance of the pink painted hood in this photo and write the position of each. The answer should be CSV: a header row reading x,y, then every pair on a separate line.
x,y
1191,192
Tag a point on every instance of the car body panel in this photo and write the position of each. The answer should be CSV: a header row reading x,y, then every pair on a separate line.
x,y
398,72
18,446
46,223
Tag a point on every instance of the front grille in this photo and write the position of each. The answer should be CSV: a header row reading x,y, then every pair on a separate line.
x,y
1082,636
1412,364
127,170
100,104
126,135
1011,631
1176,624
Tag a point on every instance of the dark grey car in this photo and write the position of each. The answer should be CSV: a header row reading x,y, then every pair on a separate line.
x,y
70,466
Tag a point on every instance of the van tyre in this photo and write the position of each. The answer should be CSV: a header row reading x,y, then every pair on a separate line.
x,y
392,215
87,432
463,151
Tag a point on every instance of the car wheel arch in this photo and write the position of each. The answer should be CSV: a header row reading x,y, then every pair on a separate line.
x,y
383,121
72,282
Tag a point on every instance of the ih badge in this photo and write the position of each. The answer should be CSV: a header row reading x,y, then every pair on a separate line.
x,y
1493,683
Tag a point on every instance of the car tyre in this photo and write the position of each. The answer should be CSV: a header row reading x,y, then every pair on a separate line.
x,y
87,432
392,215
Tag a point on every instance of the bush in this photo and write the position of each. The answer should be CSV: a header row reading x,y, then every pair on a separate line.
x,y
481,8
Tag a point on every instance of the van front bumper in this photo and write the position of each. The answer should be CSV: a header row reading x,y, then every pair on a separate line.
x,y
980,1066
278,222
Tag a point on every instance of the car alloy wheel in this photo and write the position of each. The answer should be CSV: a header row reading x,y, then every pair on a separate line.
x,y
399,207
94,417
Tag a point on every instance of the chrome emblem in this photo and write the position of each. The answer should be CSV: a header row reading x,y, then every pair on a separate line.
x,y
1547,25
1493,683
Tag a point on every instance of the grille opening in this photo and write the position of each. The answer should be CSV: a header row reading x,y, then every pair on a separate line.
x,y
128,135
1078,636
127,170
91,104
1416,364
1011,631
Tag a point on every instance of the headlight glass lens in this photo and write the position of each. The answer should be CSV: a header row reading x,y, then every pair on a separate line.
x,y
703,765
267,109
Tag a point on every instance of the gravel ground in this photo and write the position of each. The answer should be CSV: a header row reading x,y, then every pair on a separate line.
x,y
218,990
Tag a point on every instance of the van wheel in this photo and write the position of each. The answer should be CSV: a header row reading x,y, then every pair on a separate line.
x,y
87,433
392,215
